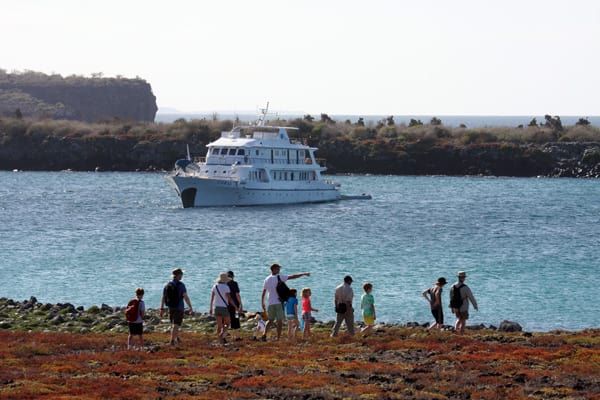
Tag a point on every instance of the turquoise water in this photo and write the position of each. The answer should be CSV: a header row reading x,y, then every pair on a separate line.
x,y
531,247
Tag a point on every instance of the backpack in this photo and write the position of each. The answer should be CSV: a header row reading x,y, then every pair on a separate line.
x,y
283,290
341,308
172,296
132,311
455,298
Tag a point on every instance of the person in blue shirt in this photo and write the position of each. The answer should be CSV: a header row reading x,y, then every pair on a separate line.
x,y
176,312
291,313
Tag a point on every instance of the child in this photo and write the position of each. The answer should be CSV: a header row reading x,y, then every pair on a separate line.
x,y
260,327
136,323
291,313
367,304
306,311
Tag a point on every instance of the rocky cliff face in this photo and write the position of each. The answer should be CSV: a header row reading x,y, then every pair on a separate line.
x,y
32,151
86,99
552,159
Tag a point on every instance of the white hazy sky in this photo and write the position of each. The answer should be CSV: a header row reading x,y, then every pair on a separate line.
x,y
396,57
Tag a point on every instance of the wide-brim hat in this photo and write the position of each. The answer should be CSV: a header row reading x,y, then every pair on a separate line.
x,y
441,280
178,271
223,278
462,274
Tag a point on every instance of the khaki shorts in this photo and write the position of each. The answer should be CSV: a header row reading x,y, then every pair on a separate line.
x,y
221,312
275,312
462,315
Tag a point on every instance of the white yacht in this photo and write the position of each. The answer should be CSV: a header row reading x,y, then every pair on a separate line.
x,y
253,165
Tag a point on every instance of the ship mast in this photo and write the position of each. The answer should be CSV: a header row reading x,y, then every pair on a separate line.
x,y
262,115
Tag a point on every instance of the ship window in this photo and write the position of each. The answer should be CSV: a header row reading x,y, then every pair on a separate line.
x,y
241,152
214,150
232,152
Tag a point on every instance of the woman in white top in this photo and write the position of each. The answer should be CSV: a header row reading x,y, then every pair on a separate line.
x,y
220,299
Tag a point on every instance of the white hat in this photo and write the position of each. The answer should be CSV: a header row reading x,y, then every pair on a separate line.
x,y
223,278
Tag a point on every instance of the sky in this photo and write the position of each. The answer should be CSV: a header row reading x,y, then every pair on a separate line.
x,y
376,57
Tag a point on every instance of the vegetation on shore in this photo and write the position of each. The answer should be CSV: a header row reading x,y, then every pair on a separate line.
x,y
394,362
546,149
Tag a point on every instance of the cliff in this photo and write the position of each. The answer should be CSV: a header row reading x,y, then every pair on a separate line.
x,y
37,95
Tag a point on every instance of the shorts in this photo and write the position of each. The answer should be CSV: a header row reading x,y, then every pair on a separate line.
x,y
290,317
234,321
438,314
275,312
369,320
462,315
176,316
136,328
306,316
221,312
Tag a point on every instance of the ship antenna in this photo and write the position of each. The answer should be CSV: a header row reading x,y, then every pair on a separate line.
x,y
263,114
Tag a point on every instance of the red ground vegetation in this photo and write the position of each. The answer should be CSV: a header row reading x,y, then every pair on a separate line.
x,y
392,363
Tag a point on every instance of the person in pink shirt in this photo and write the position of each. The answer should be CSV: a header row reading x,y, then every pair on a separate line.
x,y
307,308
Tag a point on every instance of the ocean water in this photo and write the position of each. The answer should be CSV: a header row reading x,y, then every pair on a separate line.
x,y
530,247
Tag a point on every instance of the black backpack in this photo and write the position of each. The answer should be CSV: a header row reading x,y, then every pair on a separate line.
x,y
283,291
455,298
172,296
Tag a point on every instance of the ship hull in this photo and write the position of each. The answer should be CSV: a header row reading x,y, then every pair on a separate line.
x,y
203,192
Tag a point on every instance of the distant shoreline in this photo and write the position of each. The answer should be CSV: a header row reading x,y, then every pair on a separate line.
x,y
453,121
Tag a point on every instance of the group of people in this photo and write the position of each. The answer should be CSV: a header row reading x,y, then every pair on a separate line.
x,y
226,306
460,297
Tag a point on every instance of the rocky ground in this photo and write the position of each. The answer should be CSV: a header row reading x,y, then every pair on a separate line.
x,y
59,351
33,316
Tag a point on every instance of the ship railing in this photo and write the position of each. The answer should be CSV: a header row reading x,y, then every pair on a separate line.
x,y
246,160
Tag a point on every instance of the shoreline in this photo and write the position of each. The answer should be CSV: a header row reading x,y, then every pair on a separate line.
x,y
33,316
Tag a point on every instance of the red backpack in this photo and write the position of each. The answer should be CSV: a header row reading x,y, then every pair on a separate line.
x,y
132,311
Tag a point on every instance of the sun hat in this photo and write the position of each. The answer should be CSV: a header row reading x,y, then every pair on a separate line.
x,y
462,274
223,278
230,274
178,271
441,280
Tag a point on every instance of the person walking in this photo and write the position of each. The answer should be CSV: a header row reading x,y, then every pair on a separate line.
x,y
434,296
307,310
367,304
174,295
236,308
459,302
136,319
342,301
220,300
291,314
275,311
